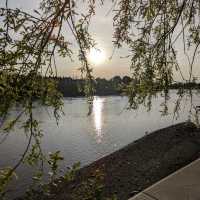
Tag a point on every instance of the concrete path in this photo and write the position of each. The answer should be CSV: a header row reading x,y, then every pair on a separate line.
x,y
184,184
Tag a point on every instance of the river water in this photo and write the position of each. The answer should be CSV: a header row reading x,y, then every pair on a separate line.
x,y
85,138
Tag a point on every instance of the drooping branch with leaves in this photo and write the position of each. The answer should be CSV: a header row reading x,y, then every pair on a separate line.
x,y
29,45
154,30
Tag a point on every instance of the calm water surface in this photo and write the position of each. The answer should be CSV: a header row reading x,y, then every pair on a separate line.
x,y
85,138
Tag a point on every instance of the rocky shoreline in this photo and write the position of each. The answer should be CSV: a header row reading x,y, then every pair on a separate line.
x,y
139,164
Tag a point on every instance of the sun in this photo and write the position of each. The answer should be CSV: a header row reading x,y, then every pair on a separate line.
x,y
96,56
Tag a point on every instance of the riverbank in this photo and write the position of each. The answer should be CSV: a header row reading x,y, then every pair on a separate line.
x,y
138,165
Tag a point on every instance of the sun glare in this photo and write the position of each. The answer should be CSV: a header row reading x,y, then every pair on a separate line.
x,y
98,105
96,56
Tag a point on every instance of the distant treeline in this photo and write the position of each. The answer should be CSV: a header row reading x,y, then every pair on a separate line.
x,y
75,87
187,85
70,87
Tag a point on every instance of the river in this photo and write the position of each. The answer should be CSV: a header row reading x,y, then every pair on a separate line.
x,y
85,138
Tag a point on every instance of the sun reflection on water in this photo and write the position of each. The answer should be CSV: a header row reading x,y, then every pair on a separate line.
x,y
98,115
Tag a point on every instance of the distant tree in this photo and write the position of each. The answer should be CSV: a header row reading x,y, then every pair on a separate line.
x,y
126,80
116,79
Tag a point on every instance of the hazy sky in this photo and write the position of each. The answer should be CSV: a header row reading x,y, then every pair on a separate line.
x,y
101,29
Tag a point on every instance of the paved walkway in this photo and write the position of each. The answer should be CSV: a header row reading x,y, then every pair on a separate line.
x,y
184,184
